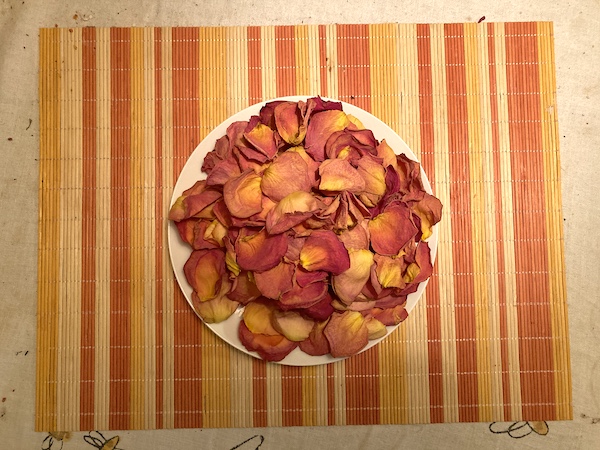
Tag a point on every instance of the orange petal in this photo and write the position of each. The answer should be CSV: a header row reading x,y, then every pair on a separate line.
x,y
316,344
287,174
274,282
292,325
348,284
375,328
219,308
320,127
289,123
339,175
385,152
347,333
242,195
303,297
261,137
258,316
356,238
290,211
391,230
261,251
204,270
389,271
269,348
244,288
324,251
429,209
193,201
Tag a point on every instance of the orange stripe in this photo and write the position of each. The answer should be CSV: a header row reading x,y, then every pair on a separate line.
x,y
330,395
535,347
159,224
291,401
88,266
187,337
499,207
254,67
285,60
120,339
466,348
434,334
259,393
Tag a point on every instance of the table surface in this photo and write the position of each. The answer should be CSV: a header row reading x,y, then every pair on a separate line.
x,y
577,61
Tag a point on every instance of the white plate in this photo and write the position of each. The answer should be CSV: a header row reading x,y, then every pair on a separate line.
x,y
180,251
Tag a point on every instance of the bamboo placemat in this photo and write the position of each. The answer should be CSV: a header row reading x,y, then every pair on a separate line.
x,y
121,110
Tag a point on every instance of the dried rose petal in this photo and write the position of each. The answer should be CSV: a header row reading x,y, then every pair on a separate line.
x,y
269,348
324,251
303,297
374,175
390,316
193,201
339,175
244,288
217,309
321,126
356,238
286,175
375,328
185,228
429,210
258,317
204,271
320,310
392,229
349,283
274,282
261,137
260,251
347,333
292,325
316,344
389,271
385,152
290,211
289,123
223,171
242,195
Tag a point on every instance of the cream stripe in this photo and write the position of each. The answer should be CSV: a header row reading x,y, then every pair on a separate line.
x,y
103,199
445,254
274,396
339,374
168,183
553,207
268,63
69,331
314,63
473,81
490,253
137,241
332,58
240,400
149,315
321,393
507,225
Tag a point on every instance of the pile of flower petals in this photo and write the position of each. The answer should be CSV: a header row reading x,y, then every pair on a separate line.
x,y
313,225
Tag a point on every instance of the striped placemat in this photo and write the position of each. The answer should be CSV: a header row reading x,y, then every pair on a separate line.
x,y
121,110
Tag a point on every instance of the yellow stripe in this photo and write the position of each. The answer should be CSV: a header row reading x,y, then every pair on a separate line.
x,y
149,151
383,54
339,375
489,254
103,200
553,207
309,396
136,197
507,224
303,72
445,254
473,81
69,308
274,396
168,184
49,201
321,393
239,396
